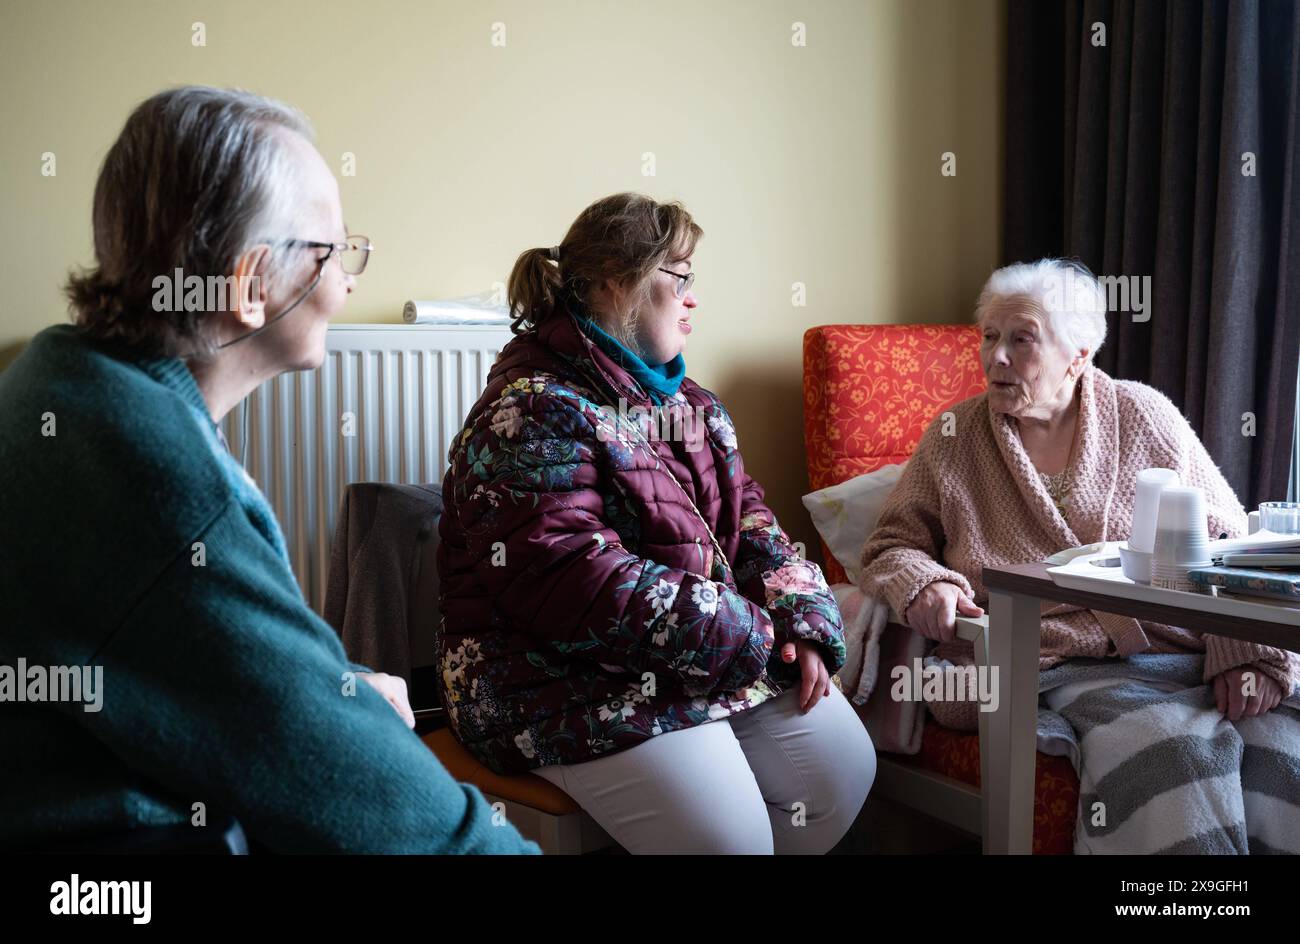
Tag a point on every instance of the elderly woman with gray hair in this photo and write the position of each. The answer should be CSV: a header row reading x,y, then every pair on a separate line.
x,y
135,545
1047,459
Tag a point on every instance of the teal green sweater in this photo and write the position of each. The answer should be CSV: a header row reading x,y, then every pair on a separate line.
x,y
220,685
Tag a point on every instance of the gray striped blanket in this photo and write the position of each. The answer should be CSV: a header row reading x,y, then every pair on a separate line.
x,y
1161,770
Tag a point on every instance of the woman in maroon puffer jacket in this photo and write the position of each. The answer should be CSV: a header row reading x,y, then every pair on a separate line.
x,y
612,580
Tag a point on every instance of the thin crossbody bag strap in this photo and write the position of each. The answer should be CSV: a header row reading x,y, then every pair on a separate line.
x,y
641,439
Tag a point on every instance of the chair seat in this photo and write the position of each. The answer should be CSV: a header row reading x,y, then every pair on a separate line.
x,y
525,789
956,754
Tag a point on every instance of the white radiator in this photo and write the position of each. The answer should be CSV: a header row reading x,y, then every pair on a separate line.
x,y
382,408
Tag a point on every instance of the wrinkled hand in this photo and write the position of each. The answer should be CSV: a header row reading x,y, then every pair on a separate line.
x,y
933,612
393,688
815,680
1235,705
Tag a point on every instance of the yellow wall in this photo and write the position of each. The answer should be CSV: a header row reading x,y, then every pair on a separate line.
x,y
818,164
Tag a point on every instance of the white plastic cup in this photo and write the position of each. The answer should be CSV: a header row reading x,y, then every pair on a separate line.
x,y
1171,577
1146,506
1182,537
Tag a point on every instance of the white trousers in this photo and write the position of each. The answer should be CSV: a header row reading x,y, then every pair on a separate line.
x,y
770,779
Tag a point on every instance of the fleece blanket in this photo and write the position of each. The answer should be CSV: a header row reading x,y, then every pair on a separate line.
x,y
1161,770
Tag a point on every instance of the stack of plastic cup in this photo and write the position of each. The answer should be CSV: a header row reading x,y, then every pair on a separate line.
x,y
1136,556
1182,537
1150,483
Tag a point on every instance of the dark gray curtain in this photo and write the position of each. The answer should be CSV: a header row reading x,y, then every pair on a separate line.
x,y
1128,156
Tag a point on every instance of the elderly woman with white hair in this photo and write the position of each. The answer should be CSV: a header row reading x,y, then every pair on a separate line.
x,y
1046,459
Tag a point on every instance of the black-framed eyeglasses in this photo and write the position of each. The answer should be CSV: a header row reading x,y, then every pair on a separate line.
x,y
684,282
353,252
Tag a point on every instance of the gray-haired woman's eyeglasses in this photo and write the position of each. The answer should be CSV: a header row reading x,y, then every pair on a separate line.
x,y
353,254
684,282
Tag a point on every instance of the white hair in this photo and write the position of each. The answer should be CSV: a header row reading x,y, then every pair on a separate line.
x,y
1070,297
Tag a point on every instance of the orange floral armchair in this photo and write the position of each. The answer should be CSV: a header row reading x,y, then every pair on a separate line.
x,y
869,393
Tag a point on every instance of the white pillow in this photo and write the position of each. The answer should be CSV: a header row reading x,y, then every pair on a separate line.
x,y
846,514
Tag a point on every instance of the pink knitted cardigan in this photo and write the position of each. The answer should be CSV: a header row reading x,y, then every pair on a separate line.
x,y
973,499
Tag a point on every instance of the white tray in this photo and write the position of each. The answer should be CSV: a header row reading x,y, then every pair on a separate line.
x,y
1081,574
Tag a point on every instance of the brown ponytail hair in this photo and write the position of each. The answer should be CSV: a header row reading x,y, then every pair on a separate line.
x,y
626,238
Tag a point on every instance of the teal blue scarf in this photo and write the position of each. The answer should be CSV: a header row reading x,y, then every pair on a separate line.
x,y
659,380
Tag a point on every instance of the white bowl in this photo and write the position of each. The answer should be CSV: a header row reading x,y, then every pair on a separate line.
x,y
1135,564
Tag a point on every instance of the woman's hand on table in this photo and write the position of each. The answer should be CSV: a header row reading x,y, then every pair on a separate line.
x,y
815,681
1231,698
393,688
933,612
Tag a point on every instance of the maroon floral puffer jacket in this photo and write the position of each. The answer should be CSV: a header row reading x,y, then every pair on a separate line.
x,y
608,575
